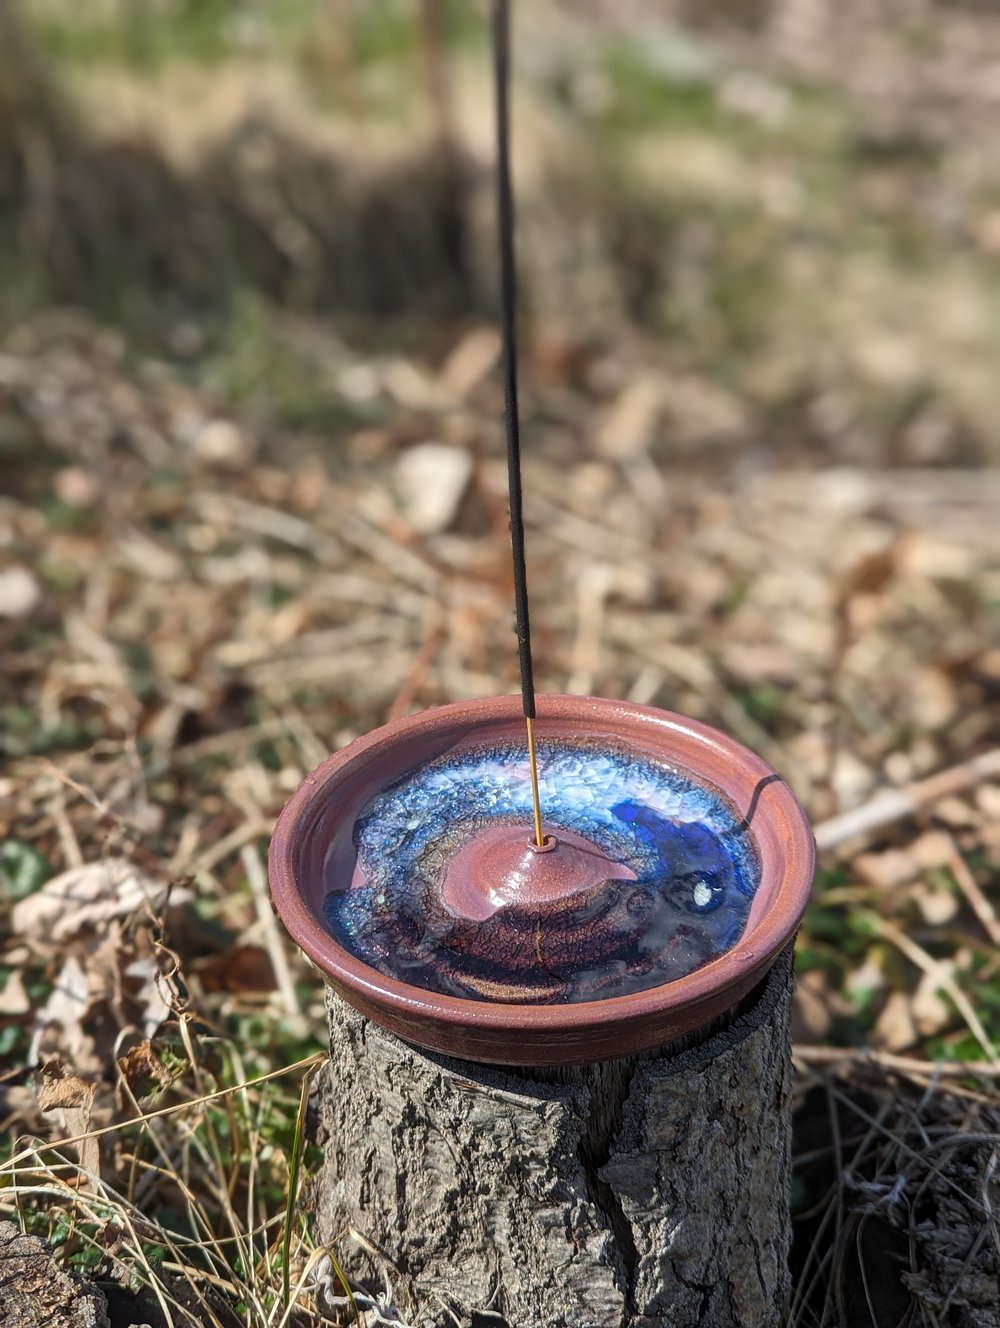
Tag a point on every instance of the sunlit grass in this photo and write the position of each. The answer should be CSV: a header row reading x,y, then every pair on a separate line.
x,y
198,1193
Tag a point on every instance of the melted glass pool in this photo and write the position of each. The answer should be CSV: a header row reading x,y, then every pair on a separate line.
x,y
693,860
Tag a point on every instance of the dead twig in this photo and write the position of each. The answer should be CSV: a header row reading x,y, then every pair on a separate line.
x,y
821,1057
896,804
243,834
969,887
273,940
434,633
940,974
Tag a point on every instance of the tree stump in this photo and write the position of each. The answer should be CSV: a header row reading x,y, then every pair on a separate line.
x,y
35,1292
651,1190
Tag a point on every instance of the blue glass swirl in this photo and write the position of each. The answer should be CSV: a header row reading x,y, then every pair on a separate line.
x,y
693,857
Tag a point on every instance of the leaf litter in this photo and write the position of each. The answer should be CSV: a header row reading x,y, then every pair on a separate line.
x,y
86,898
203,599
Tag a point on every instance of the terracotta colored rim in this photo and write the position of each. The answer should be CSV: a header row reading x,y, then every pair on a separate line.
x,y
320,816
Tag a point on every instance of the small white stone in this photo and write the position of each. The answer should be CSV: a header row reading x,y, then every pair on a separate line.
x,y
20,593
431,480
77,487
222,443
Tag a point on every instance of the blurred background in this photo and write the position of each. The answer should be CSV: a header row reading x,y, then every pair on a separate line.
x,y
252,496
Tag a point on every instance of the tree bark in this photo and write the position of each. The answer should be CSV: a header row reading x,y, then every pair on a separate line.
x,y
646,1191
35,1292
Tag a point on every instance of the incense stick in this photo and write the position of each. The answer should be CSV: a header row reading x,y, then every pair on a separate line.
x,y
508,314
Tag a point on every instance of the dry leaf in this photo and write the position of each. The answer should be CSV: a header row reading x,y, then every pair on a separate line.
x,y
62,1088
921,555
471,360
931,849
244,968
153,995
892,867
64,1091
67,1006
936,906
629,426
14,998
988,800
931,1012
700,411
956,812
894,1028
20,1102
88,896
815,1005
143,1071
865,979
752,661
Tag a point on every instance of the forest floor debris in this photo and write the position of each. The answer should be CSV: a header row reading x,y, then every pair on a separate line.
x,y
760,490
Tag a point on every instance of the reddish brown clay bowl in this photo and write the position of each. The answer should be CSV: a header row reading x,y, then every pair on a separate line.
x,y
316,829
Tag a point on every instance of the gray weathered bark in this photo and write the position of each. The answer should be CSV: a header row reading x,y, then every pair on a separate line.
x,y
36,1293
647,1191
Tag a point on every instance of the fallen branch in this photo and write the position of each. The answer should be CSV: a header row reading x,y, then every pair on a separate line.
x,y
820,1057
896,804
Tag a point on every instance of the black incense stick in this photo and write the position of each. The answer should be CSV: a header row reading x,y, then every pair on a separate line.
x,y
508,318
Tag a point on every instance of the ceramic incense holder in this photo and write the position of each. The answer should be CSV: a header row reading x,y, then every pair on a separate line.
x,y
676,867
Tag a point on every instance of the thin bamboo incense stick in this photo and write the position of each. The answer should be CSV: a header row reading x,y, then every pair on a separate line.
x,y
508,315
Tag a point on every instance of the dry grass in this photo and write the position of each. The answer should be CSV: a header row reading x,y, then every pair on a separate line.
x,y
208,635
903,1230
230,1258
212,576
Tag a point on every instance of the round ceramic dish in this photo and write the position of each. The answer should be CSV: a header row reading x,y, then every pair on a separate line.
x,y
316,828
